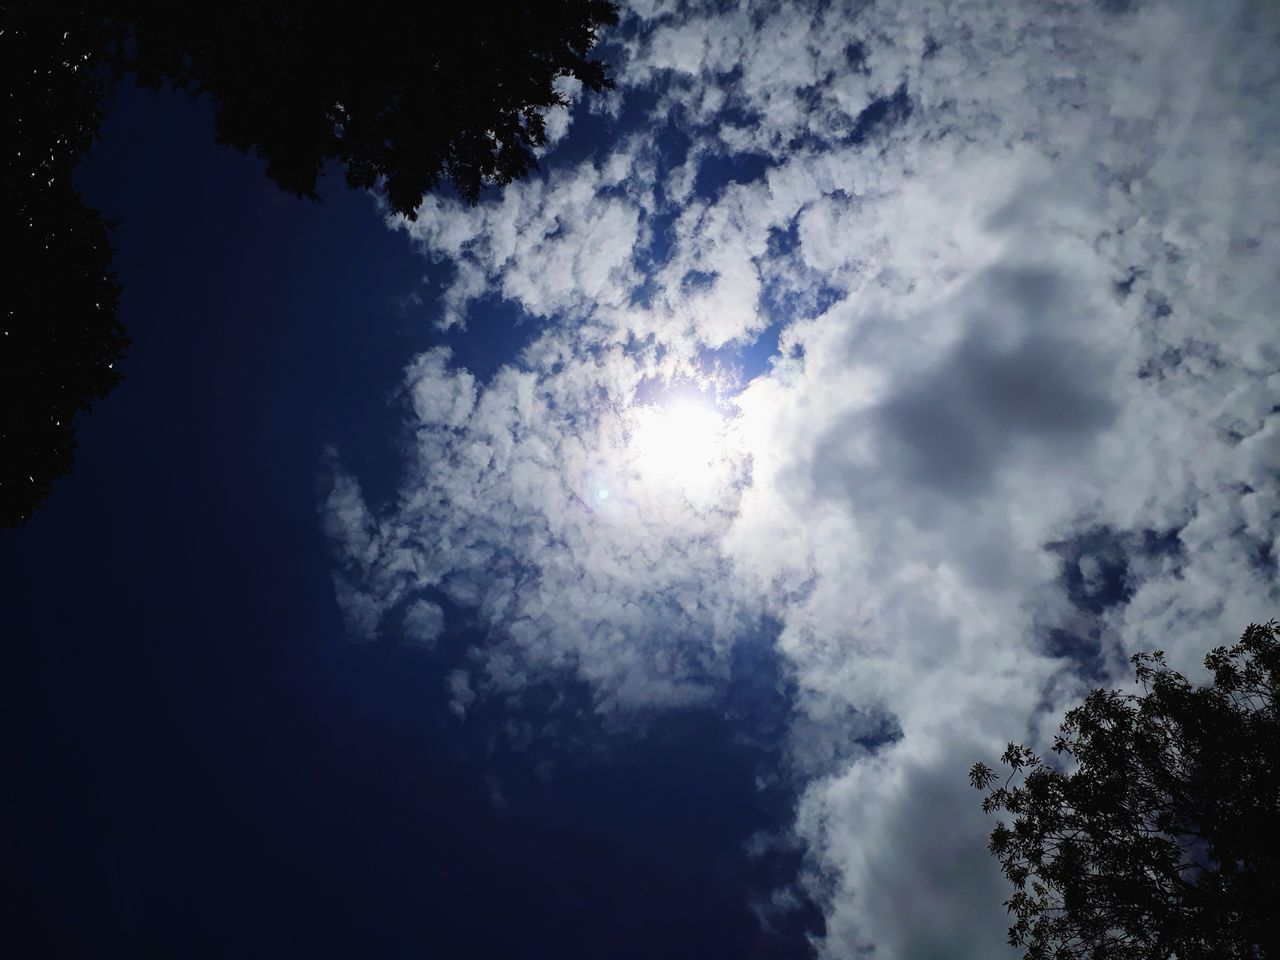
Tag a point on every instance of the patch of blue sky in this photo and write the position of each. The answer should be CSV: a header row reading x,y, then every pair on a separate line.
x,y
1096,576
784,302
594,133
555,762
1266,559
789,293
792,291
783,241
743,361
718,170
1107,555
653,254
1083,649
671,145
497,331
882,115
760,695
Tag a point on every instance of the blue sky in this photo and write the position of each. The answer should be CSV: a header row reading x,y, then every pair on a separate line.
x,y
204,759
634,564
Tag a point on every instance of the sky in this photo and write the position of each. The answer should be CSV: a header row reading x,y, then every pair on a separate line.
x,y
635,563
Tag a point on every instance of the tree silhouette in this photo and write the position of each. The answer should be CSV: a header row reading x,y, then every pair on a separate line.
x,y
405,95
407,98
1157,838
60,338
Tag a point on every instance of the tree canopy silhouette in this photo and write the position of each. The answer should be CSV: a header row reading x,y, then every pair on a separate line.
x,y
407,98
1157,837
406,95
61,338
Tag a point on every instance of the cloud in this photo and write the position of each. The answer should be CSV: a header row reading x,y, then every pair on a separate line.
x,y
1019,383
424,622
504,515
1021,420
924,889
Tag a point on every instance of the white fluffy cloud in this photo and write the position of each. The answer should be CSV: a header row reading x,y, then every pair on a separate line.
x,y
1021,263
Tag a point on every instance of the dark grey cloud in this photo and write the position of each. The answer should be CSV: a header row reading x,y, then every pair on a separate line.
x,y
1016,385
955,427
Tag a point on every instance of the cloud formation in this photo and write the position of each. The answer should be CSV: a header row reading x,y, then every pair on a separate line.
x,y
1021,422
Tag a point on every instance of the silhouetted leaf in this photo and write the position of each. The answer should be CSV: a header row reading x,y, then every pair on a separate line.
x,y
1157,840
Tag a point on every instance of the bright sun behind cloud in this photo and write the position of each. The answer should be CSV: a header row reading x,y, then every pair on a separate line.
x,y
680,445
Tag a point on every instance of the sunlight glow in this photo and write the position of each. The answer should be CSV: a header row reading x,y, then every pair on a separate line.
x,y
679,445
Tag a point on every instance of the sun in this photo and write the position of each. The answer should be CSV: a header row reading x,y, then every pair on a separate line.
x,y
679,445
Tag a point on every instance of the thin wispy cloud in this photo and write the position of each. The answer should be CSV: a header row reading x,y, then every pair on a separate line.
x,y
1019,261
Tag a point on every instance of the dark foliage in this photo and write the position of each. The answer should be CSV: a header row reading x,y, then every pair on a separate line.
x,y
405,97
61,337
1158,840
